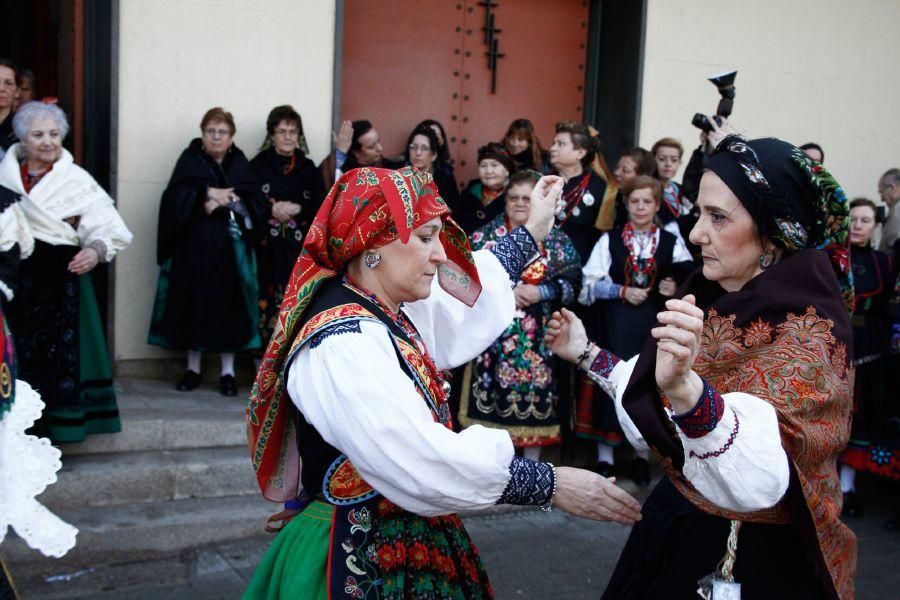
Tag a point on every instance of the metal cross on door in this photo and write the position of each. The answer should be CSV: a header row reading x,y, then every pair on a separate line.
x,y
473,65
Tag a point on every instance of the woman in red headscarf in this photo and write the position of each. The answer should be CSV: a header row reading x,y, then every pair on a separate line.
x,y
352,387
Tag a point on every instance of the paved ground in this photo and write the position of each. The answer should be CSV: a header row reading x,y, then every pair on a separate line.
x,y
529,554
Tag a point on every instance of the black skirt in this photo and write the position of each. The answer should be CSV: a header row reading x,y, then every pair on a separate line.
x,y
676,544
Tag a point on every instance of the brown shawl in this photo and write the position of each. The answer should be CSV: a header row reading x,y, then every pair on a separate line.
x,y
785,338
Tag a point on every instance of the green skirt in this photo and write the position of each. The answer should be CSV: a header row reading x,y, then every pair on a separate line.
x,y
295,565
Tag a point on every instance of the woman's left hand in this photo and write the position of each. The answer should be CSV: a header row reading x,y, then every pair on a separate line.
x,y
677,347
84,261
667,287
526,295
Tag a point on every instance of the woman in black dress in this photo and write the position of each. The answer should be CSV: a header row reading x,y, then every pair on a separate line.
x,y
870,447
485,198
525,148
423,151
207,298
294,190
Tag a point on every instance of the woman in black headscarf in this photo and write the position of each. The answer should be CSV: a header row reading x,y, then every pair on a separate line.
x,y
743,391
294,189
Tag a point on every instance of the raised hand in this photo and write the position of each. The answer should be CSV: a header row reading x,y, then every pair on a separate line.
x,y
677,347
565,335
590,496
544,197
343,139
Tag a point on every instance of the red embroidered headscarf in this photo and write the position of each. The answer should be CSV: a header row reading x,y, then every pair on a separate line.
x,y
367,208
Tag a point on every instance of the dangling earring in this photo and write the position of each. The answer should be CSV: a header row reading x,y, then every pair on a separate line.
x,y
766,260
372,260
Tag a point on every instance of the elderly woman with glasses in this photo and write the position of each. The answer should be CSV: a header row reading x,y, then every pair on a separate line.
x,y
294,191
349,421
743,391
207,298
55,318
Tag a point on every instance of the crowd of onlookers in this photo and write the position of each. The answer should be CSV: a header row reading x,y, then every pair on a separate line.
x,y
231,228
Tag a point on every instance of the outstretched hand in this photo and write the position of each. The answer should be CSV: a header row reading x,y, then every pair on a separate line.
x,y
590,496
565,335
343,139
544,197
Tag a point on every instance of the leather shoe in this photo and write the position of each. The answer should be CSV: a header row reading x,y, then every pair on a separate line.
x,y
851,507
227,385
189,381
640,471
604,469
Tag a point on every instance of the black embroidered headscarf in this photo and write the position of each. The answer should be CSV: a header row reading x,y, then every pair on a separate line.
x,y
794,201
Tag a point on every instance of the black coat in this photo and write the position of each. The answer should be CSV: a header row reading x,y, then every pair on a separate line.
x,y
202,302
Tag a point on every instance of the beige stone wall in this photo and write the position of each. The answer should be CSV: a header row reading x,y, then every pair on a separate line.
x,y
177,59
823,71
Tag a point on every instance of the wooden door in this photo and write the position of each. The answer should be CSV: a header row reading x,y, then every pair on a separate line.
x,y
409,60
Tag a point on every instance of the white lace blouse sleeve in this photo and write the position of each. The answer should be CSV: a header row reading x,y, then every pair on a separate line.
x,y
680,252
596,268
352,389
28,464
464,332
739,463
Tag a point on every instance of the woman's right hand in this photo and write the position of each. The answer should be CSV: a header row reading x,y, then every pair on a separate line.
x,y
210,206
635,296
590,496
544,197
565,335
284,211
343,139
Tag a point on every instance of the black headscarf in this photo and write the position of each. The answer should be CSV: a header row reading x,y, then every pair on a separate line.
x,y
794,201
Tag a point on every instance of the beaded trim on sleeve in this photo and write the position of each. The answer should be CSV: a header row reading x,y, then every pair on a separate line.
x,y
725,446
530,483
705,415
514,251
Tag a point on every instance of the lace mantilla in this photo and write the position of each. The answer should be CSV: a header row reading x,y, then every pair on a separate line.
x,y
28,464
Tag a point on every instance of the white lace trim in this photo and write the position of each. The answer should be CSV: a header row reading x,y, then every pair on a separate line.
x,y
28,464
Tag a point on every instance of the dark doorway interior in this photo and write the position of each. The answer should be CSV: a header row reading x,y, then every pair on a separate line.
x,y
613,86
68,45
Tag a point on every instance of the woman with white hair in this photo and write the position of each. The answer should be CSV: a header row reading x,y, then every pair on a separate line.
x,y
54,316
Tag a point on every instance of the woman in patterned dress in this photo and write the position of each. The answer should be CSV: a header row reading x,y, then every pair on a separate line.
x,y
744,391
512,384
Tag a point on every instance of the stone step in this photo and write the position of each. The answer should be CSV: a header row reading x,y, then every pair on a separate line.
x,y
146,531
156,417
151,476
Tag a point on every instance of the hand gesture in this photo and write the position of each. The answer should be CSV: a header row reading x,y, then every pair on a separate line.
x,y
544,197
667,287
343,139
526,294
84,261
222,196
590,496
565,335
677,347
635,296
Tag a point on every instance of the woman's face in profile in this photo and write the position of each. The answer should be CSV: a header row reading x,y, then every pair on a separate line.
x,y
407,270
726,234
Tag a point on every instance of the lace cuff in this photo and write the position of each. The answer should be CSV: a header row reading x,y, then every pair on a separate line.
x,y
100,248
531,483
514,251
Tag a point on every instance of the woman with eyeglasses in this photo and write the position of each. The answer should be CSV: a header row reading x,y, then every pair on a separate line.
x,y
423,152
207,298
294,190
512,385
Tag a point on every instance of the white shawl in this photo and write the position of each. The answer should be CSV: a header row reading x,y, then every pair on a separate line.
x,y
65,192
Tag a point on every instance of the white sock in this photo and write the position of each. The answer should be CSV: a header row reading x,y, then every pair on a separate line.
x,y
645,454
228,363
532,452
194,360
848,479
605,454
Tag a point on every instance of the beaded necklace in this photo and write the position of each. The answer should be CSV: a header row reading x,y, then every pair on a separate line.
x,y
572,198
441,388
639,272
